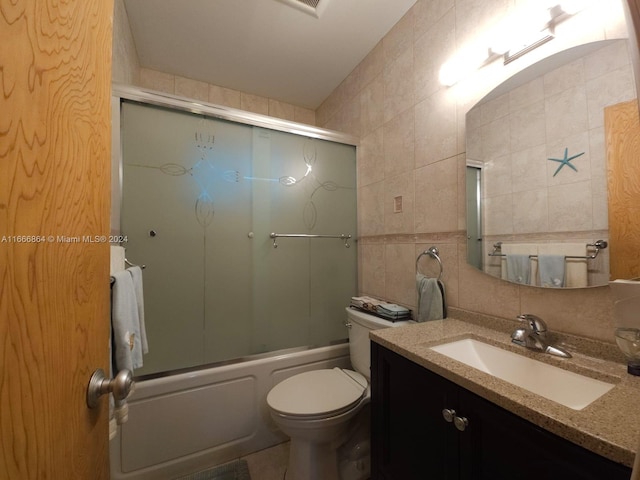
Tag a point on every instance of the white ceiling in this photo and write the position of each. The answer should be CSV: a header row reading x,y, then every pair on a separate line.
x,y
264,47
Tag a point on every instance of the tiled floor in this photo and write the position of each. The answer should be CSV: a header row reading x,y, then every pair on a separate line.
x,y
269,464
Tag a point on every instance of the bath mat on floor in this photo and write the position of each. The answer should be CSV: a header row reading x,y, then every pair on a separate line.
x,y
237,470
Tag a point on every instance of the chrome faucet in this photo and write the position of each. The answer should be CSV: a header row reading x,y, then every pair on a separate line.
x,y
534,336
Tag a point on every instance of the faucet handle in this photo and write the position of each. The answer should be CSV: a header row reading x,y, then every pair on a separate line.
x,y
536,324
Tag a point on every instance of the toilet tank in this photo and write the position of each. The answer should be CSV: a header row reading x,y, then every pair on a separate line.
x,y
361,324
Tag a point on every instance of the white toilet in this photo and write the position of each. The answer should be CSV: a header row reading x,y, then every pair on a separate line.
x,y
315,408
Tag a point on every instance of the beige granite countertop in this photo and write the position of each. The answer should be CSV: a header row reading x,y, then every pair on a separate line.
x,y
610,426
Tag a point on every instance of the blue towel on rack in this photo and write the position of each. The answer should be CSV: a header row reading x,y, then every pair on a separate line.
x,y
552,270
430,299
519,269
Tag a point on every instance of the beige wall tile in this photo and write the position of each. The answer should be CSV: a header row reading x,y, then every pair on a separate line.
x,y
372,65
399,39
580,311
399,144
154,80
432,49
436,189
566,113
398,85
254,103
400,186
304,115
371,202
436,128
611,88
527,126
427,14
400,277
371,106
531,212
224,96
193,89
371,159
569,207
373,270
497,216
607,59
281,110
126,67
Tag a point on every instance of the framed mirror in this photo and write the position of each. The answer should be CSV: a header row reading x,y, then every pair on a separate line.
x,y
536,169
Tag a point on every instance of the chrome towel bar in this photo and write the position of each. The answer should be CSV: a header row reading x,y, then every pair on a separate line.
x,y
597,245
342,236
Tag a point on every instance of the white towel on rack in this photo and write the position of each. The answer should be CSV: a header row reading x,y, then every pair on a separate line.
x,y
136,278
519,269
552,270
576,274
523,270
430,301
125,323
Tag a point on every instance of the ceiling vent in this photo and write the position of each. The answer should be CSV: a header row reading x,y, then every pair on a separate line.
x,y
311,7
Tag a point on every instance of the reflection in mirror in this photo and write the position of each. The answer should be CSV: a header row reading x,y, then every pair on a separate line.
x,y
536,176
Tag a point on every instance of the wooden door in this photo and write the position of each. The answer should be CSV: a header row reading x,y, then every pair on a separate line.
x,y
622,130
55,83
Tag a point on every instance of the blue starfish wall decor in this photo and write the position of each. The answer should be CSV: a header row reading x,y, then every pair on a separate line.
x,y
565,161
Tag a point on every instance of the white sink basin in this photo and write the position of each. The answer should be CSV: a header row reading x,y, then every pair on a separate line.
x,y
567,388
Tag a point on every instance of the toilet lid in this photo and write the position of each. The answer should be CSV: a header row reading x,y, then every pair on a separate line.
x,y
318,392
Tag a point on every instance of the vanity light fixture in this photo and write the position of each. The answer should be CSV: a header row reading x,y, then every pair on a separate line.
x,y
517,36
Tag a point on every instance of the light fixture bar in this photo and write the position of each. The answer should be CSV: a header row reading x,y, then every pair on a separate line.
x,y
510,57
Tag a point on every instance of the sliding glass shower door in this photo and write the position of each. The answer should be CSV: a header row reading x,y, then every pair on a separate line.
x,y
200,198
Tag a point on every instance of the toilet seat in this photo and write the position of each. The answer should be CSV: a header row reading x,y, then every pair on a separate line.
x,y
318,393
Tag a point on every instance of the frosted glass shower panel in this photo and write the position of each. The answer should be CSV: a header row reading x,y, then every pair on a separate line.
x,y
200,197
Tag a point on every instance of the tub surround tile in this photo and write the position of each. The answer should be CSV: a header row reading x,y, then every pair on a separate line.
x,y
599,427
192,89
154,80
225,96
254,103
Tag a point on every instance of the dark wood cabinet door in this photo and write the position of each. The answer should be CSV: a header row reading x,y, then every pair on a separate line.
x,y
410,438
499,444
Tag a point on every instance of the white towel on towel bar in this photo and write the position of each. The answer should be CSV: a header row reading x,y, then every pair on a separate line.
x,y
125,323
136,278
575,275
520,249
552,270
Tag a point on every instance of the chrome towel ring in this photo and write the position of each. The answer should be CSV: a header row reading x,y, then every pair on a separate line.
x,y
434,253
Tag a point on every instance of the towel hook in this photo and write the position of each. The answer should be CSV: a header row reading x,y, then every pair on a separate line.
x,y
434,253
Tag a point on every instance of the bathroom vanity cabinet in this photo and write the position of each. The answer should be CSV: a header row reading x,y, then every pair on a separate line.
x,y
411,439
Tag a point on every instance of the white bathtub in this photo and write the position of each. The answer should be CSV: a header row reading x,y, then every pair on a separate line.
x,y
187,422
